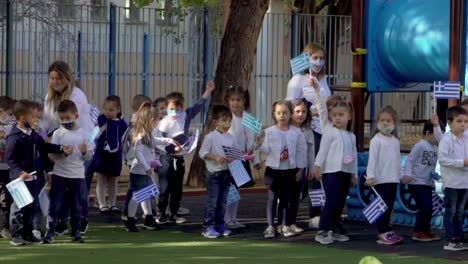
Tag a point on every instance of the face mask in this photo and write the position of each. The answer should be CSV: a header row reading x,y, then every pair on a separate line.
x,y
35,125
224,126
317,65
173,113
385,130
59,88
68,125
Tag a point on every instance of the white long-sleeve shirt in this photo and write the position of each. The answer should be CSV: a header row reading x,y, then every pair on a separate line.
x,y
299,87
71,166
145,154
213,143
421,162
384,165
51,121
452,152
295,142
245,138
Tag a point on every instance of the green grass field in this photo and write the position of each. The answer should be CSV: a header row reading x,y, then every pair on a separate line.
x,y
110,244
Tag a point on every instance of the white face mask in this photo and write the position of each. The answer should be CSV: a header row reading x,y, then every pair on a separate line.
x,y
317,65
385,130
59,88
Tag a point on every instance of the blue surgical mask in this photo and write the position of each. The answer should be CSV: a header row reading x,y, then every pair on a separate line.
x,y
173,113
317,65
68,125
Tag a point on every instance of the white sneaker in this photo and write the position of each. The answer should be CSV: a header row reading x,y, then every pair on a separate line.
x,y
279,230
314,222
37,234
324,237
296,229
269,232
287,232
339,237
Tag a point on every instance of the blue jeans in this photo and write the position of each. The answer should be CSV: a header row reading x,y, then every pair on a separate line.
x,y
422,195
454,201
217,185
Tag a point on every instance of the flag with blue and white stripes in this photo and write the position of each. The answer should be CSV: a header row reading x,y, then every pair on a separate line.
x,y
447,90
251,122
233,153
301,63
146,193
317,197
375,209
437,204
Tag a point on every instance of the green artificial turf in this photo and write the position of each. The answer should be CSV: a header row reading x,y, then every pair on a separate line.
x,y
110,244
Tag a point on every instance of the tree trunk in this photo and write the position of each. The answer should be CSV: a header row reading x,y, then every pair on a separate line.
x,y
235,65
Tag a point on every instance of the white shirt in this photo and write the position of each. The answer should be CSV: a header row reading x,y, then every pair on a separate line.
x,y
241,134
51,121
145,154
310,140
452,152
172,126
297,147
384,165
71,166
299,87
213,143
421,162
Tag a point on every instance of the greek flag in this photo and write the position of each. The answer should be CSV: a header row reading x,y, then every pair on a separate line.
x,y
437,204
94,113
252,123
300,63
146,193
233,195
447,90
317,197
233,153
20,193
375,209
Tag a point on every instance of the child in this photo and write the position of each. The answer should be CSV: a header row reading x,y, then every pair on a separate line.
x,y
453,159
27,152
419,166
336,164
6,123
128,151
218,179
161,105
109,152
68,178
171,173
141,171
286,148
37,113
237,99
384,170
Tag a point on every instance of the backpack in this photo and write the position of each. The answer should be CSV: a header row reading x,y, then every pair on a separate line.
x,y
128,153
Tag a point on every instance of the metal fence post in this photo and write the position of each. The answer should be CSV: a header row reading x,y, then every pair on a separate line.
x,y
208,58
144,75
112,47
79,56
9,49
294,45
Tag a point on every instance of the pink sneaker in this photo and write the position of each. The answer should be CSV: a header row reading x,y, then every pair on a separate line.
x,y
388,238
397,237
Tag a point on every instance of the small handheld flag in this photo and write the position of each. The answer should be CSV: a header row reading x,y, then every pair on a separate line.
x,y
317,197
375,209
301,63
437,204
146,193
447,90
233,195
20,193
233,153
252,123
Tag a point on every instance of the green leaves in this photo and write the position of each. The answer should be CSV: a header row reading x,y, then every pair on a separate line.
x,y
142,3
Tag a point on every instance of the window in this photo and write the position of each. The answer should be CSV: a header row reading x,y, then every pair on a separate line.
x,y
65,9
132,13
98,10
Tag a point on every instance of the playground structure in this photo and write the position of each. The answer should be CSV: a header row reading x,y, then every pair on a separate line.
x,y
403,46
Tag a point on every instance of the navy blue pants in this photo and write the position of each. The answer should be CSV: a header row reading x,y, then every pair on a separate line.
x,y
454,201
388,192
314,184
217,185
336,186
65,191
5,199
422,195
171,180
21,220
281,188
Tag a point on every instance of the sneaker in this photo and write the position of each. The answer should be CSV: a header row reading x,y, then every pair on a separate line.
x,y
115,210
314,222
162,219
48,239
296,229
84,225
150,223
78,239
397,237
18,241
177,219
433,236
32,239
340,237
388,238
5,233
235,225
61,228
324,237
130,225
287,232
279,230
340,229
421,236
454,246
183,211
223,230
124,217
269,232
104,210
37,234
210,232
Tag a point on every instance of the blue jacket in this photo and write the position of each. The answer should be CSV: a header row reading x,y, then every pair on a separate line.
x,y
28,152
